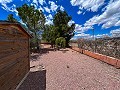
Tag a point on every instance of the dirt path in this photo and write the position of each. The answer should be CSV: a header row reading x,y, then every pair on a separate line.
x,y
70,70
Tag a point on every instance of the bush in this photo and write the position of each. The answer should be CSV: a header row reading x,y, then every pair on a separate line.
x,y
60,42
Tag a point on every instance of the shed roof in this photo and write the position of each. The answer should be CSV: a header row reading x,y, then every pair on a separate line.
x,y
15,24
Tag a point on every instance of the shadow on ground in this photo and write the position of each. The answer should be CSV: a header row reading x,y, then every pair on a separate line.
x,y
46,50
35,56
35,81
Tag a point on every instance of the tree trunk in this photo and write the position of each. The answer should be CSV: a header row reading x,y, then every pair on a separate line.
x,y
67,44
37,42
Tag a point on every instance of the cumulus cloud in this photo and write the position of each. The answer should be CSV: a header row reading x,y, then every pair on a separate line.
x,y
110,17
82,35
79,12
40,8
70,22
49,19
35,2
5,1
22,22
50,16
117,23
89,5
53,6
61,8
41,2
88,36
110,23
5,7
48,22
80,28
101,36
115,33
47,9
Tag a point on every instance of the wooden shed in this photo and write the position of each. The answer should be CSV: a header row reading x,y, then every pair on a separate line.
x,y
14,54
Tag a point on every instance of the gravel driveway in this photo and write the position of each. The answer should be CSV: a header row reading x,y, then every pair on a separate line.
x,y
69,70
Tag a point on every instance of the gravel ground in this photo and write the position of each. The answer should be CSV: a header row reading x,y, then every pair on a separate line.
x,y
69,70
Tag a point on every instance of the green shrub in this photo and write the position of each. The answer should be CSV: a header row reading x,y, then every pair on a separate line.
x,y
60,42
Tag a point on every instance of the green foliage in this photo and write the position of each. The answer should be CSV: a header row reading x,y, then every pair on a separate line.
x,y
61,17
60,28
60,21
60,42
11,18
34,20
50,34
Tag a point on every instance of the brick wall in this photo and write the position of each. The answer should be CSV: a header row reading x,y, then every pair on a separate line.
x,y
110,60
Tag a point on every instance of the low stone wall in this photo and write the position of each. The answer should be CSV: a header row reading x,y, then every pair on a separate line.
x,y
110,60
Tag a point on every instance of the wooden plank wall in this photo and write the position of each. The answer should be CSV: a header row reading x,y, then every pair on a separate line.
x,y
14,57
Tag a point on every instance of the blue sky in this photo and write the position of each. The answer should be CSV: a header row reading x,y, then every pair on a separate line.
x,y
101,15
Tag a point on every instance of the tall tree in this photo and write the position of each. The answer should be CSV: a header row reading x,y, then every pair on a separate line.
x,y
33,18
60,21
50,34
11,18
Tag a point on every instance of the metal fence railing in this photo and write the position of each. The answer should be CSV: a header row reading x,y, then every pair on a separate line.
x,y
106,46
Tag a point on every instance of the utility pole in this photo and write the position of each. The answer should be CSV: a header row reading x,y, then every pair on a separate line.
x,y
93,34
94,41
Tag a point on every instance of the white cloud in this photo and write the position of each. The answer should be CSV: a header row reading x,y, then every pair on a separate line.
x,y
41,2
50,16
80,28
101,36
91,21
49,22
110,23
79,12
5,1
22,22
70,22
61,8
90,5
53,6
82,35
115,33
47,9
88,36
110,17
49,19
35,2
11,9
118,23
40,8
